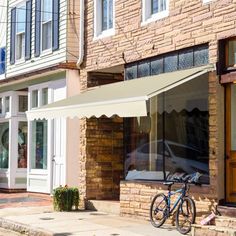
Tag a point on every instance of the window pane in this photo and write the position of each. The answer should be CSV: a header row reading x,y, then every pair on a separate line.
x,y
131,72
104,14
39,145
187,128
22,145
154,6
186,59
143,69
110,14
47,35
157,66
20,46
201,56
45,96
20,19
23,103
232,53
4,145
34,98
46,10
171,63
7,104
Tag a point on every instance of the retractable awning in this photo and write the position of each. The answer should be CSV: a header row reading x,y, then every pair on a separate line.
x,y
125,99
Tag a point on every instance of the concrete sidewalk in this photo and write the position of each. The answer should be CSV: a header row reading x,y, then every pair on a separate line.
x,y
44,221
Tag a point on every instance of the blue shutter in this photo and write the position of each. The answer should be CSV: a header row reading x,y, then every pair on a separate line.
x,y
2,60
13,36
55,24
37,28
28,17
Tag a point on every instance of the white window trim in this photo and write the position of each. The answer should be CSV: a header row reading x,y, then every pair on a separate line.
x,y
97,26
22,59
206,1
49,50
148,17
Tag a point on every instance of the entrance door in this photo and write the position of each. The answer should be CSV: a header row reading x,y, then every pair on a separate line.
x,y
231,143
59,152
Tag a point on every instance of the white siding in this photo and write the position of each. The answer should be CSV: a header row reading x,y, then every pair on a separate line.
x,y
3,24
43,61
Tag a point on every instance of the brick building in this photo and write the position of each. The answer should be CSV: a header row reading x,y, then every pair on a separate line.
x,y
189,45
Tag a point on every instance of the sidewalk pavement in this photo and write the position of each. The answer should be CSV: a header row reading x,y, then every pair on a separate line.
x,y
32,214
43,221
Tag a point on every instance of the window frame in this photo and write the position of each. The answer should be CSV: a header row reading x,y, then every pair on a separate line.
x,y
20,34
148,16
227,53
98,21
47,50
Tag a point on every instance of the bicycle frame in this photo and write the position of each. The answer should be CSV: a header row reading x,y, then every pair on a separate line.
x,y
183,191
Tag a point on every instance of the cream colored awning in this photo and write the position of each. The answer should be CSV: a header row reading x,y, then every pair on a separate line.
x,y
125,99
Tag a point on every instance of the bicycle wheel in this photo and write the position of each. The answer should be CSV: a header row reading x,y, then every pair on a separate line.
x,y
158,210
185,215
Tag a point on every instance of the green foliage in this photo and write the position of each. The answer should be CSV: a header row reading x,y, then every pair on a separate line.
x,y
65,198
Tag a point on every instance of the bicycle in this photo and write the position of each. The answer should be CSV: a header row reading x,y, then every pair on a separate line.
x,y
161,208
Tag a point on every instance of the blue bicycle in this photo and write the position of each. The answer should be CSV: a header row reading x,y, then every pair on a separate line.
x,y
162,208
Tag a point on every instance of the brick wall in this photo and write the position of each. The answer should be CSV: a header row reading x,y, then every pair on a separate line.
x,y
136,197
189,23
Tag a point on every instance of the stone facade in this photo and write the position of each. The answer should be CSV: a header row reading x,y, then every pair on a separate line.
x,y
189,23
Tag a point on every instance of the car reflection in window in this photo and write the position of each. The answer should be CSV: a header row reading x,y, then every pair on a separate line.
x,y
178,158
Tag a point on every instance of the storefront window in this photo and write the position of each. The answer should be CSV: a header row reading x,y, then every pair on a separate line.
x,y
39,144
4,145
23,103
174,138
22,145
7,104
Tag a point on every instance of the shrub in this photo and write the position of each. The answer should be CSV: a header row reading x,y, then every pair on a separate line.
x,y
65,198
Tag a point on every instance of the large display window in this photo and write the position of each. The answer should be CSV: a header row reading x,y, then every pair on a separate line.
x,y
174,138
4,145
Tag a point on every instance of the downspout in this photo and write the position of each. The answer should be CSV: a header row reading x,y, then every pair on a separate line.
x,y
81,38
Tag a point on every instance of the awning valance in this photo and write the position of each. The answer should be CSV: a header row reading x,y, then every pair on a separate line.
x,y
125,99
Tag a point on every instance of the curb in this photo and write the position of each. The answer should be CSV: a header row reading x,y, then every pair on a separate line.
x,y
23,228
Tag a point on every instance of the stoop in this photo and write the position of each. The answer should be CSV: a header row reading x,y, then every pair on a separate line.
x,y
112,207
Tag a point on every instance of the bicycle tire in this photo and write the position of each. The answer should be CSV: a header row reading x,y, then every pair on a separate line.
x,y
185,209
161,199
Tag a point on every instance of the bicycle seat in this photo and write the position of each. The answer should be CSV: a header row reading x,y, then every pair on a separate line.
x,y
168,183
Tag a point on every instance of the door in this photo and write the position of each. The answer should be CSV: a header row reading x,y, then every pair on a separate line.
x,y
231,143
58,160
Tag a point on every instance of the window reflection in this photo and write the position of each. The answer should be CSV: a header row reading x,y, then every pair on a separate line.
x,y
39,145
4,145
22,144
174,139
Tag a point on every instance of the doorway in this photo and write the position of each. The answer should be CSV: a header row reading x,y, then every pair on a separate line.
x,y
231,143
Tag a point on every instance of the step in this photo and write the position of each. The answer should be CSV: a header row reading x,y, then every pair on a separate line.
x,y
112,207
212,230
227,211
223,221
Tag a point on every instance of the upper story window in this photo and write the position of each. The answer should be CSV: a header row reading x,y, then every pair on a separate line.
x,y
104,18
20,31
231,53
46,24
2,60
154,10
